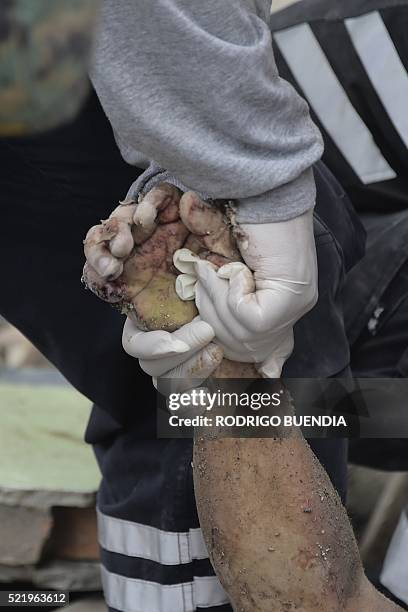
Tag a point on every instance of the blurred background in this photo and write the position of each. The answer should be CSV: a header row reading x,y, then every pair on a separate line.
x,y
48,479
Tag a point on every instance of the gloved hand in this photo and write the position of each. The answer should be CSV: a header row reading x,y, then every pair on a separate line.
x,y
253,313
187,355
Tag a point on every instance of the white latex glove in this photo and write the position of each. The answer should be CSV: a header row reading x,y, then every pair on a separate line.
x,y
253,313
187,355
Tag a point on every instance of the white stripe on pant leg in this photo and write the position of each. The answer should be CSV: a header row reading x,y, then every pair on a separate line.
x,y
137,540
197,545
209,592
313,72
133,595
383,65
394,574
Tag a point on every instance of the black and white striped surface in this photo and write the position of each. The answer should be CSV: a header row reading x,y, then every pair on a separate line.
x,y
172,568
349,59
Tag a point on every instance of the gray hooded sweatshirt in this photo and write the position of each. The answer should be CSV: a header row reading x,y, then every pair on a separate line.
x,y
191,87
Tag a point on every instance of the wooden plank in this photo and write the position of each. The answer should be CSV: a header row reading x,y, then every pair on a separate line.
x,y
74,535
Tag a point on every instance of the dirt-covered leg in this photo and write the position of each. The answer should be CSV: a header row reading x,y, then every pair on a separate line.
x,y
277,533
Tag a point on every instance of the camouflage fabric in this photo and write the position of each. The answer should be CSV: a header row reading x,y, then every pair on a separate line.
x,y
44,48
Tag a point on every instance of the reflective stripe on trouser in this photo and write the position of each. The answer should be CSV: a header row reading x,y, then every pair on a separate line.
x,y
133,595
144,561
153,554
138,540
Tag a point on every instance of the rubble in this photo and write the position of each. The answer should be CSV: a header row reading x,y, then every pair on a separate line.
x,y
48,483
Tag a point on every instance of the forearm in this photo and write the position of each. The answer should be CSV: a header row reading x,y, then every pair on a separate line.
x,y
194,86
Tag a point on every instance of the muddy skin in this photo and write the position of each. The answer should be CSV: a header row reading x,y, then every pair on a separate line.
x,y
276,530
279,537
277,533
142,283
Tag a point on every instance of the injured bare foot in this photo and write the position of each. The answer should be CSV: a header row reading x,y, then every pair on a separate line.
x,y
130,255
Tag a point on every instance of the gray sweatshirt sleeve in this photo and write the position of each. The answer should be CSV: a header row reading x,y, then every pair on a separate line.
x,y
193,86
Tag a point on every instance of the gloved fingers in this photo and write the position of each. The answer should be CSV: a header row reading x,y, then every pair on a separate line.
x,y
158,367
186,287
272,366
155,201
217,289
196,339
254,309
196,334
233,349
184,260
246,304
159,345
219,293
207,275
231,269
192,373
193,270
242,298
264,308
241,283
150,345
